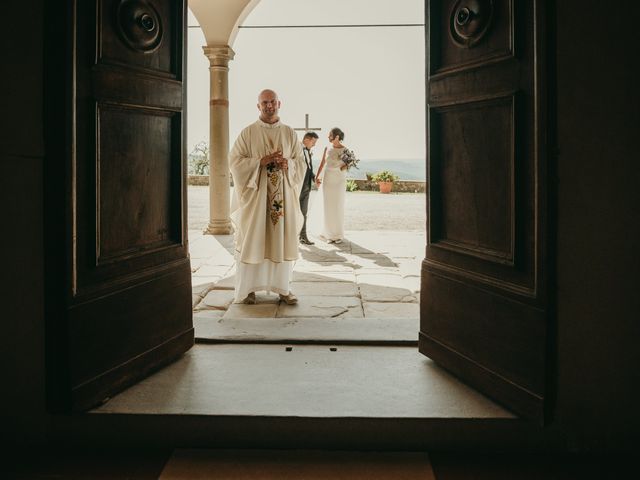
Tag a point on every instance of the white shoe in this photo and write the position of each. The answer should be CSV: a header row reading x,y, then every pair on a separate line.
x,y
338,241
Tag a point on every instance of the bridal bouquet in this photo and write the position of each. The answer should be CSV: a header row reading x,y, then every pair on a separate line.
x,y
349,158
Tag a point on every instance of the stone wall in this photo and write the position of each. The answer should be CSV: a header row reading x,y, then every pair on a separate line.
x,y
367,185
398,186
199,180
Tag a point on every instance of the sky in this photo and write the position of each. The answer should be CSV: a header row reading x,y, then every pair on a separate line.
x,y
367,81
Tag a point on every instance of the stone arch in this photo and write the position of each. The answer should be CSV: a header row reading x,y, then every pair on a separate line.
x,y
220,19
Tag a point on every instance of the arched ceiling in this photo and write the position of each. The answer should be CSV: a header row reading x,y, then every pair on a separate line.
x,y
219,19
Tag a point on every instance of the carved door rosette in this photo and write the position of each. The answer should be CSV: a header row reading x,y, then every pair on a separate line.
x,y
139,25
469,21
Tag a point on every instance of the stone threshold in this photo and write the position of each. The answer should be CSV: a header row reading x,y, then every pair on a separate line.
x,y
274,396
304,381
309,331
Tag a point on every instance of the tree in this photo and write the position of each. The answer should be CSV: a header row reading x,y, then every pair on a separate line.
x,y
199,159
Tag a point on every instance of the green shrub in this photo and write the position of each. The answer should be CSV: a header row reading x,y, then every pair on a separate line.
x,y
352,186
385,176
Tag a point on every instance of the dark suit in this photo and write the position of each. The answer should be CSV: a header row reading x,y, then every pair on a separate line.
x,y
306,188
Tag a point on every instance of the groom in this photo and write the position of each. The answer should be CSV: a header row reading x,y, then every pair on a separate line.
x,y
308,142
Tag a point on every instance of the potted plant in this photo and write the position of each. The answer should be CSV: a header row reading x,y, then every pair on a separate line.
x,y
385,180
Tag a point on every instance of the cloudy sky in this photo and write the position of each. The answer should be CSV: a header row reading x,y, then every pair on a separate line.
x,y
367,81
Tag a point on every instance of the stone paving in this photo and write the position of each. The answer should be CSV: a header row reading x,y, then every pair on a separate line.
x,y
373,276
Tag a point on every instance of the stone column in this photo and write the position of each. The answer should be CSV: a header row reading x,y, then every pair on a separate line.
x,y
219,191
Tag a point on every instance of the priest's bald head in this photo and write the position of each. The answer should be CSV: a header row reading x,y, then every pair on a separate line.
x,y
269,105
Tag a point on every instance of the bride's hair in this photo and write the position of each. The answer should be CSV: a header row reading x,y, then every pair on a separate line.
x,y
336,132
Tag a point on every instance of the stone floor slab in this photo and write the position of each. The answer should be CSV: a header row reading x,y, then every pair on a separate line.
x,y
373,261
202,246
198,281
412,283
209,315
208,269
386,278
195,300
391,310
380,241
409,267
260,310
341,289
222,259
322,306
321,267
380,293
359,270
323,277
217,300
196,263
226,283
358,249
202,289
320,255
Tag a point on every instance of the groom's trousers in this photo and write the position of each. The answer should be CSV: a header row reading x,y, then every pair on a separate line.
x,y
304,200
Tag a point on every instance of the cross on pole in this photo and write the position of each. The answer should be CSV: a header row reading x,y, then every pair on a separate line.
x,y
306,127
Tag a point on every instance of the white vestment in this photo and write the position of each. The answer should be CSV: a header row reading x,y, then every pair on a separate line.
x,y
265,209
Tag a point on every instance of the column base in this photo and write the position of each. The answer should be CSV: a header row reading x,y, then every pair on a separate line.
x,y
219,227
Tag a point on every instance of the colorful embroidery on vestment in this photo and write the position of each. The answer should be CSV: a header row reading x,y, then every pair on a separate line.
x,y
276,202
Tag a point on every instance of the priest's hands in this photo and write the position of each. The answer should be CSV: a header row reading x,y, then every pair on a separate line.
x,y
283,163
271,158
275,158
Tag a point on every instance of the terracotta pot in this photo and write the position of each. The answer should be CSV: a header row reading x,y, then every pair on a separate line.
x,y
385,187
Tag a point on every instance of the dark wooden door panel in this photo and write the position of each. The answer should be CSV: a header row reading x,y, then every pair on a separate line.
x,y
484,299
475,178
119,338
135,158
128,307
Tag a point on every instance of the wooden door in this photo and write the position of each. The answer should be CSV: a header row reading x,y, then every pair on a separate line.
x,y
485,296
118,273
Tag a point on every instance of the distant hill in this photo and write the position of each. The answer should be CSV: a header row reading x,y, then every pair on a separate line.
x,y
405,169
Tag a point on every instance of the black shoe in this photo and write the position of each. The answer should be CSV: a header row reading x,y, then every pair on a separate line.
x,y
306,241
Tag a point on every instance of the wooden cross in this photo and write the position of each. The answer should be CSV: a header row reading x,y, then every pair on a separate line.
x,y
306,127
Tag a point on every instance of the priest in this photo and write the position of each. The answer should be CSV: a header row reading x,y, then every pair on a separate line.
x,y
268,167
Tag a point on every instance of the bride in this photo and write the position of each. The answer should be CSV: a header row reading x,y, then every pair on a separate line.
x,y
334,184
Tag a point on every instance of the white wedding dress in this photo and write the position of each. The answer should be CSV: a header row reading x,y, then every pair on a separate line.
x,y
334,185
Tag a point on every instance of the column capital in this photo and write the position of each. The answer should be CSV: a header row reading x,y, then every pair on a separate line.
x,y
219,55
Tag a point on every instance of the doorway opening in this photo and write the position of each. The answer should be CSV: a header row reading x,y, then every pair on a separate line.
x,y
363,73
